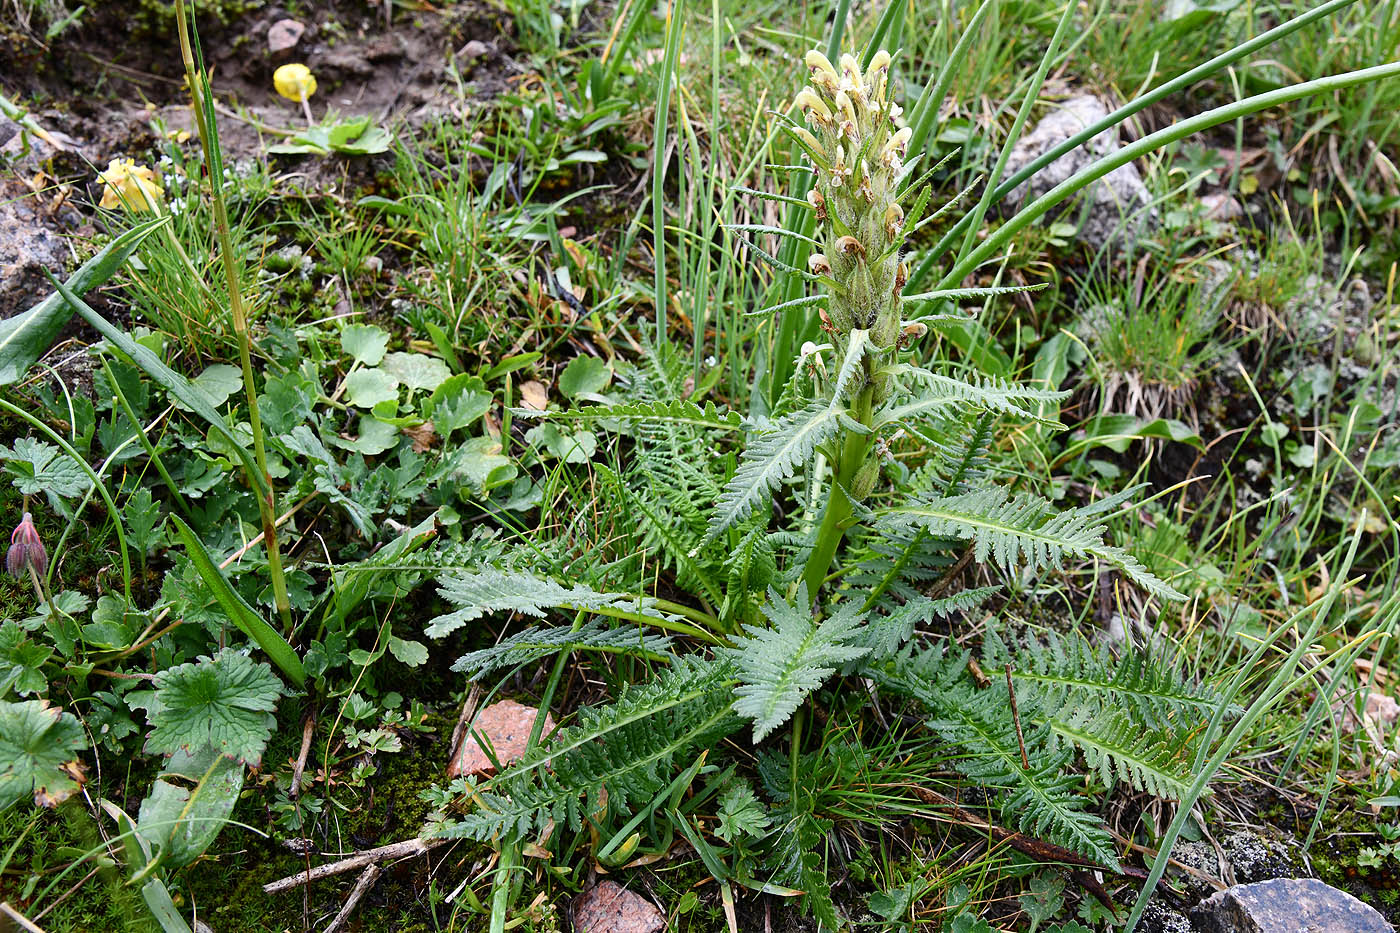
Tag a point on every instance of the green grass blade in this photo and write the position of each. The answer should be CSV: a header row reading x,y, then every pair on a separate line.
x,y
674,18
25,337
188,394
1128,110
238,610
1093,172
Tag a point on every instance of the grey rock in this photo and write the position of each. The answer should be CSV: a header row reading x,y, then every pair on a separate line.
x,y
1114,211
1286,905
473,50
283,36
1202,857
1256,858
28,247
1159,918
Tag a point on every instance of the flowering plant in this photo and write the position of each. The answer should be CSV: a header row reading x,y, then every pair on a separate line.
x,y
131,186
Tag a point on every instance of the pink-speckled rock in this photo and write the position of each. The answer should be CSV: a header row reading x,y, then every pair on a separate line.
x,y
507,726
608,907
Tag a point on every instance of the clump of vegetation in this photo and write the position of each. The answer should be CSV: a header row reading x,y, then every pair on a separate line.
x,y
883,557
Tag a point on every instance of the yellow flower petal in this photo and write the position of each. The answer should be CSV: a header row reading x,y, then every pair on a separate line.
x,y
294,82
126,184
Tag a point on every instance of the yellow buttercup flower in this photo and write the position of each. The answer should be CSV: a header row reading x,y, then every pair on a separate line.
x,y
294,82
126,184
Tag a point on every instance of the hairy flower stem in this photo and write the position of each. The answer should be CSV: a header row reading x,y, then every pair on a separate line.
x,y
836,518
267,502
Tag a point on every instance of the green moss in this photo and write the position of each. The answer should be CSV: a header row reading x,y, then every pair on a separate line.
x,y
52,842
386,810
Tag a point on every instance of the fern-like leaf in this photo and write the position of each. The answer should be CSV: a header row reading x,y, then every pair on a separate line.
x,y
1116,746
627,748
1040,799
886,634
1060,674
937,394
779,666
1025,528
535,643
479,593
772,457
797,860
674,411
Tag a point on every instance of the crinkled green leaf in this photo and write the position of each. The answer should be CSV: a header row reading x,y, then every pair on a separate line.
x,y
38,743
416,370
224,702
39,467
364,343
21,661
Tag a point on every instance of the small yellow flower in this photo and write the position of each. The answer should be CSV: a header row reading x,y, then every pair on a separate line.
x,y
895,148
294,82
813,106
823,75
126,184
894,219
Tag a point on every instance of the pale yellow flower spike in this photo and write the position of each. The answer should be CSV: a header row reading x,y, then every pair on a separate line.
x,y
131,186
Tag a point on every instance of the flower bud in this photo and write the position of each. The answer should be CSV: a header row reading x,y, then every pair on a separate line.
x,y
846,109
866,188
851,81
26,550
813,144
817,264
840,171
912,331
877,76
823,75
901,277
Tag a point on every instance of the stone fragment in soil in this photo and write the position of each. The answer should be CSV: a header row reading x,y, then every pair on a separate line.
x,y
610,908
1159,918
283,36
1286,905
1253,857
507,726
469,53
1118,209
28,247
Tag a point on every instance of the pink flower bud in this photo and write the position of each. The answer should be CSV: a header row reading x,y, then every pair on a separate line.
x,y
26,550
